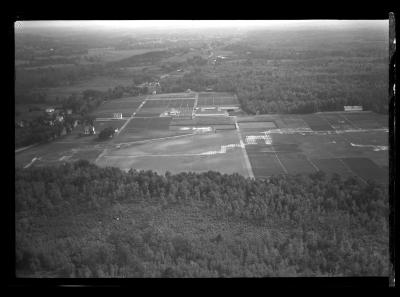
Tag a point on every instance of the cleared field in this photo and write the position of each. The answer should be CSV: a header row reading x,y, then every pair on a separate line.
x,y
257,125
294,121
278,120
332,165
126,106
192,128
367,120
97,83
263,164
367,169
317,123
188,95
219,152
65,149
214,94
217,99
204,121
337,121
154,108
146,128
296,163
169,103
116,124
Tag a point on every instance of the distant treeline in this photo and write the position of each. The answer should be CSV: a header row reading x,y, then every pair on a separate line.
x,y
292,87
328,226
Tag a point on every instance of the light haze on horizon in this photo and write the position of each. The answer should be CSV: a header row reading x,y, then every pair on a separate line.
x,y
198,24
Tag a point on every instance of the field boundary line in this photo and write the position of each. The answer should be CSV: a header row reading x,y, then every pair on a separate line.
x,y
350,170
351,122
322,117
122,128
131,117
31,162
156,155
25,148
100,156
312,163
154,139
246,157
283,167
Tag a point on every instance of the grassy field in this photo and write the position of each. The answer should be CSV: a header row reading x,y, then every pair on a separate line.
x,y
97,83
116,124
217,99
195,153
127,106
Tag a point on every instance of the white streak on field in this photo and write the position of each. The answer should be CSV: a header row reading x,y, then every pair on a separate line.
x,y
376,148
30,163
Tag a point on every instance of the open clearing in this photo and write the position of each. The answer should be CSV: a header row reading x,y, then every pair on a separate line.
x,y
195,153
127,106
96,83
336,142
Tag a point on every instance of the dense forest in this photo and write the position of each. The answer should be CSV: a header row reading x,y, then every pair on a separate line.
x,y
294,85
79,220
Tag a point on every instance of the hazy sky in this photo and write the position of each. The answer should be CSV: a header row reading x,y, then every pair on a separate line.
x,y
199,24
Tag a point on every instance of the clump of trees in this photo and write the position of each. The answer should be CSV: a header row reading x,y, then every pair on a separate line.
x,y
331,226
106,133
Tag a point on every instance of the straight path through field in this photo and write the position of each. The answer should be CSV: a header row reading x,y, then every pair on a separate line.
x,y
280,163
122,128
246,157
345,165
312,164
351,123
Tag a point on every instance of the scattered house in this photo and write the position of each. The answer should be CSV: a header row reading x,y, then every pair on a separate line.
x,y
353,108
20,123
188,91
50,110
89,130
209,90
154,92
60,118
68,111
179,70
117,115
171,112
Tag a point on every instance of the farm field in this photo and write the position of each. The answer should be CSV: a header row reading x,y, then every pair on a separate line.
x,y
157,105
336,142
195,153
127,106
100,125
316,145
68,148
139,129
217,99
